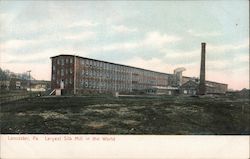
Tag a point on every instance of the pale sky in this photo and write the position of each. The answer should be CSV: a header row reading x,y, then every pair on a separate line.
x,y
159,36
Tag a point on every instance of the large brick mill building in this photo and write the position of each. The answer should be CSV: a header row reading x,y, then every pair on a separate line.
x,y
78,75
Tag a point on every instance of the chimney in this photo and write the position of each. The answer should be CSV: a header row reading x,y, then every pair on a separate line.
x,y
202,86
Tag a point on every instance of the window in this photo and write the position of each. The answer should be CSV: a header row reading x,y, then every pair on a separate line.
x,y
58,61
62,61
71,60
82,83
62,72
67,60
54,67
70,81
71,71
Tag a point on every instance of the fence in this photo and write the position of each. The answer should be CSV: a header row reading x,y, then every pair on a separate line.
x,y
13,96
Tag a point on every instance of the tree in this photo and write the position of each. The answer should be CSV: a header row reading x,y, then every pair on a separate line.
x,y
3,75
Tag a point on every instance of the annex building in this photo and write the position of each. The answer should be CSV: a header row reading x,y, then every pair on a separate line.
x,y
78,75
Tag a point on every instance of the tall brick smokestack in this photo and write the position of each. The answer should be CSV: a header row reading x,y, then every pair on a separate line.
x,y
202,86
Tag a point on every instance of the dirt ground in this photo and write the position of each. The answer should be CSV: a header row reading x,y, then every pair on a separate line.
x,y
170,115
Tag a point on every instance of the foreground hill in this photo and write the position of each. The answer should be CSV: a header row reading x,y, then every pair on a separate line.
x,y
126,115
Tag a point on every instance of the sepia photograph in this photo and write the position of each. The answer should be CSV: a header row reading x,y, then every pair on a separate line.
x,y
110,71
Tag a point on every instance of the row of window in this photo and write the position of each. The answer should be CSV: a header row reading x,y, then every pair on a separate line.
x,y
118,68
111,86
103,65
65,81
107,75
104,85
109,66
119,76
117,80
62,72
62,61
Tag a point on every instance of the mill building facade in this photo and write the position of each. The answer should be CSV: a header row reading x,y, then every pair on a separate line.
x,y
80,75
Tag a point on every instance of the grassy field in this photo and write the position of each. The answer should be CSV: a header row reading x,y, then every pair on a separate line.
x,y
126,115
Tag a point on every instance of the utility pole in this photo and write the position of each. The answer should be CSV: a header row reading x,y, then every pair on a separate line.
x,y
29,82
74,74
100,76
115,73
131,85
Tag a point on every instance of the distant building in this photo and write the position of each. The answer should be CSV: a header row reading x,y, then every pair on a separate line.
x,y
169,90
39,86
77,75
17,84
191,87
5,85
244,93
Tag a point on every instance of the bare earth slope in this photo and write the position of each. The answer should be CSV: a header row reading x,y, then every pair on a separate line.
x,y
126,115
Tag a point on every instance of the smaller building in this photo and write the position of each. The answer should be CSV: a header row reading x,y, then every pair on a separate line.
x,y
164,90
39,86
5,85
189,88
17,84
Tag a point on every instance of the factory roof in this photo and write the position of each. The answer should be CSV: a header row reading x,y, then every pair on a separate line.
x,y
109,63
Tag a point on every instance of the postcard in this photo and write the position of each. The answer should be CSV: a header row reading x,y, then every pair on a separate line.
x,y
124,79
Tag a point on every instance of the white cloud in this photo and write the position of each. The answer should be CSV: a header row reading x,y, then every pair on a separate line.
x,y
80,36
38,71
83,23
218,65
120,46
151,40
153,64
35,56
160,65
45,54
179,55
230,77
123,29
203,34
6,18
228,47
14,44
156,39
243,58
